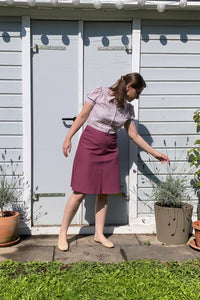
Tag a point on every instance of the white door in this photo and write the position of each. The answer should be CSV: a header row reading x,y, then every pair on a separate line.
x,y
107,56
55,96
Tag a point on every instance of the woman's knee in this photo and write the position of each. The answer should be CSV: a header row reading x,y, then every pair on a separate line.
x,y
103,197
79,196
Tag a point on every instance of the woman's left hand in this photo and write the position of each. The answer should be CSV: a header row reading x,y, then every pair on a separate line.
x,y
162,157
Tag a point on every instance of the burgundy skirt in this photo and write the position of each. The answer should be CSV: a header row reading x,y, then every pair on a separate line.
x,y
96,163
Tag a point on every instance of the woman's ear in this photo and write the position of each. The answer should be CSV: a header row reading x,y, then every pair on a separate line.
x,y
128,86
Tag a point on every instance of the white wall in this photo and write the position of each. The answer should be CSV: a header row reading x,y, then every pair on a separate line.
x,y
170,63
11,114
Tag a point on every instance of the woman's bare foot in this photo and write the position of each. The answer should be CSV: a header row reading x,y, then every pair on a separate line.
x,y
103,240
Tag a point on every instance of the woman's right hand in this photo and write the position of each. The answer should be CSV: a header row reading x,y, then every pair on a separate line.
x,y
80,120
67,147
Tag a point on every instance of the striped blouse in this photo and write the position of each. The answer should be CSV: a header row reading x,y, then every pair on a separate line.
x,y
105,116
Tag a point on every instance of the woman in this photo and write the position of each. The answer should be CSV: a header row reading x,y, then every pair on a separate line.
x,y
96,164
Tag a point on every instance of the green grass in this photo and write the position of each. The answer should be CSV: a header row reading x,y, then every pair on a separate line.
x,y
145,279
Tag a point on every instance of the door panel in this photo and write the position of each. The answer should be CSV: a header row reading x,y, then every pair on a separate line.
x,y
103,66
55,96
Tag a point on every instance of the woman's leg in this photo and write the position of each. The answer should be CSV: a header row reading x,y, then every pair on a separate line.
x,y
100,217
70,210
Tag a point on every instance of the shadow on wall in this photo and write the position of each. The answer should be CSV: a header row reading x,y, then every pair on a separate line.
x,y
24,215
142,166
163,37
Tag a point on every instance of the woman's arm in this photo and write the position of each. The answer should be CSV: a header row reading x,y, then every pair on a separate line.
x,y
80,120
133,134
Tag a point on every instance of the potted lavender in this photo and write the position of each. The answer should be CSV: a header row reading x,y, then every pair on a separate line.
x,y
172,210
11,188
172,213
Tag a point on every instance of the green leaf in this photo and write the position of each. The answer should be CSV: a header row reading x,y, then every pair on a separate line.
x,y
190,151
191,157
197,142
196,153
197,172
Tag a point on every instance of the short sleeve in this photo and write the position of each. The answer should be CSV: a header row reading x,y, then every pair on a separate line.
x,y
93,95
131,114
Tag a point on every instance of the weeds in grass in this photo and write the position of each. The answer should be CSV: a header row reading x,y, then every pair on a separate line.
x,y
145,279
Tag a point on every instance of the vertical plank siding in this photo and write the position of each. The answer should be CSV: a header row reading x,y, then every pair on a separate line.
x,y
11,135
170,64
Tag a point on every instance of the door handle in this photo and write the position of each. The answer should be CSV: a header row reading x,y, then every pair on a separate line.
x,y
69,119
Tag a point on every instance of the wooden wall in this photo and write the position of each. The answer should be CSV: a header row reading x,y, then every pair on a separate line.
x,y
170,64
11,135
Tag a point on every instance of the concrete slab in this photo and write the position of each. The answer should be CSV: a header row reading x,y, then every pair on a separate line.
x,y
162,253
90,253
148,238
82,247
194,251
42,241
29,253
84,240
124,239
7,250
117,239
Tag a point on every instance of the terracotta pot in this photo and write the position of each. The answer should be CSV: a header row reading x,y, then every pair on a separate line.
x,y
196,226
9,227
173,225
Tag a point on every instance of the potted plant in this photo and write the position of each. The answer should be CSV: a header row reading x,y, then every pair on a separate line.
x,y
11,188
173,213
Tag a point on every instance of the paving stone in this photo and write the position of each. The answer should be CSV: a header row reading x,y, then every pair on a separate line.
x,y
117,239
82,240
145,238
82,247
30,253
7,250
195,252
44,240
124,239
41,240
89,253
162,253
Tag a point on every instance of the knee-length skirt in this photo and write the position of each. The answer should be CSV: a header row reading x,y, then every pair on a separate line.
x,y
96,163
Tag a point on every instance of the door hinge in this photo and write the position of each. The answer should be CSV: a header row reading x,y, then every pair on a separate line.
x,y
37,47
38,195
115,48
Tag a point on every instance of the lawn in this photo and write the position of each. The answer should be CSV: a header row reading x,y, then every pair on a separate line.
x,y
145,279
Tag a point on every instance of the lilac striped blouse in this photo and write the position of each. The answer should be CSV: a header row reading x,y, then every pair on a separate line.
x,y
105,116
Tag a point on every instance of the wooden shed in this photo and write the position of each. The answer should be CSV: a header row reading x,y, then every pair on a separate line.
x,y
52,53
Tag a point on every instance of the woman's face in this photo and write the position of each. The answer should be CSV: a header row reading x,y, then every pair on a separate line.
x,y
133,93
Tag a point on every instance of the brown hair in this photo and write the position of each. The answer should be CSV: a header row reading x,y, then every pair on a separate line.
x,y
119,88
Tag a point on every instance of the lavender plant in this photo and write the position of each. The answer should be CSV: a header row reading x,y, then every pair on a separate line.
x,y
172,190
11,184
